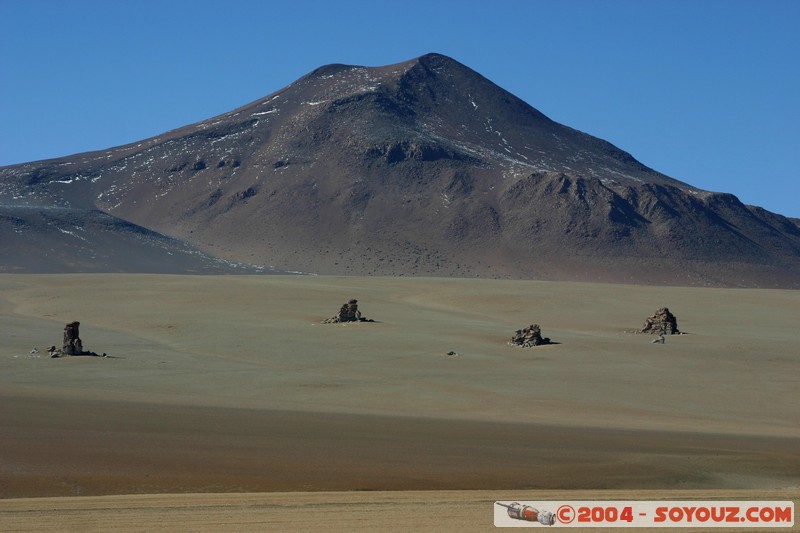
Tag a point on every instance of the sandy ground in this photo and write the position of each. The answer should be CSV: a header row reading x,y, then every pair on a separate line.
x,y
232,385
321,511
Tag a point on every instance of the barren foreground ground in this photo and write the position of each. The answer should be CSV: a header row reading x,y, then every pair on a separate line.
x,y
232,385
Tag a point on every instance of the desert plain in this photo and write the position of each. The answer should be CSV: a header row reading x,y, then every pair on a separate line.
x,y
225,404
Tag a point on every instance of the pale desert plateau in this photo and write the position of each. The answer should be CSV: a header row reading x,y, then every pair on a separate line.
x,y
224,403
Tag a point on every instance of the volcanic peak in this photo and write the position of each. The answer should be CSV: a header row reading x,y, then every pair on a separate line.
x,y
423,167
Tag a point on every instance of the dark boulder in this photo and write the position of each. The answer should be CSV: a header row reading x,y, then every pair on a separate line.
x,y
530,336
661,323
348,313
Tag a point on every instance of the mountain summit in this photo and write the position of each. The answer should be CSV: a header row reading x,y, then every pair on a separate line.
x,y
420,168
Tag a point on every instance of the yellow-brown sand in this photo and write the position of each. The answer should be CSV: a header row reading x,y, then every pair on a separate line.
x,y
400,512
232,385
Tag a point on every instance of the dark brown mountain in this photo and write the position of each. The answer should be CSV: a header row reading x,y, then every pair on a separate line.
x,y
419,168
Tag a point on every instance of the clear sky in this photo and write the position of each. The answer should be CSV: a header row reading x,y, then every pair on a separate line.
x,y
705,91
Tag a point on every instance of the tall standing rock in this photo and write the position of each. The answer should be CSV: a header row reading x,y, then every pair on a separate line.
x,y
72,341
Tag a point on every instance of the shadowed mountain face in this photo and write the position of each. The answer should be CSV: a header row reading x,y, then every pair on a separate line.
x,y
63,239
419,168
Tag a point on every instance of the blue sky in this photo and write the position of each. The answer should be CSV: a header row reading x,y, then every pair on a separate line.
x,y
705,91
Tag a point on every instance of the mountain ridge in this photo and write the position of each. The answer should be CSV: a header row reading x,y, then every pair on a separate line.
x,y
422,167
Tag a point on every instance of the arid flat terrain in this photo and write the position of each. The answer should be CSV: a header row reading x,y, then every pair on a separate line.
x,y
217,384
397,511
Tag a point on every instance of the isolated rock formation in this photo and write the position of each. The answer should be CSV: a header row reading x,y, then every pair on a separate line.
x,y
530,336
661,323
348,313
72,341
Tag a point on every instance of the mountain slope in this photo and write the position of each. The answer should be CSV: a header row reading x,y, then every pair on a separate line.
x,y
419,168
63,239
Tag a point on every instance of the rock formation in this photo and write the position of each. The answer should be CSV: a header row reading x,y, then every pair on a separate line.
x,y
72,341
348,313
662,323
530,336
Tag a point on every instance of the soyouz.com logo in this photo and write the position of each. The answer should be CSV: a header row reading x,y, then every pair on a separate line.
x,y
598,513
